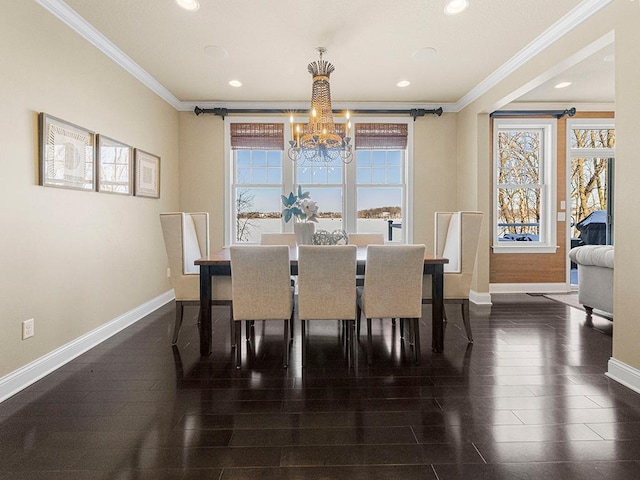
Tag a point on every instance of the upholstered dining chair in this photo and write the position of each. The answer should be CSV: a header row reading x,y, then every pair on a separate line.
x,y
186,239
392,288
364,239
326,290
288,239
261,289
457,235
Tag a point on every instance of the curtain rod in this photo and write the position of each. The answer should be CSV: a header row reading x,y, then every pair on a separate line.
x,y
535,113
223,112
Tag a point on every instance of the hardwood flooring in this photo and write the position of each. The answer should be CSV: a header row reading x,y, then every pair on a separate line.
x,y
528,400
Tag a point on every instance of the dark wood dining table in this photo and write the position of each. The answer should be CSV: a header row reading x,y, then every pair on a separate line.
x,y
219,264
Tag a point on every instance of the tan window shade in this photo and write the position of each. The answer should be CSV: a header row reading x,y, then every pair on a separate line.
x,y
257,136
381,136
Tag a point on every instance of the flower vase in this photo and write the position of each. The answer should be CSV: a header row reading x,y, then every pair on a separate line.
x,y
304,232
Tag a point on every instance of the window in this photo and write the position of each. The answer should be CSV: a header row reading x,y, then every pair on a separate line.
x,y
370,194
524,185
591,152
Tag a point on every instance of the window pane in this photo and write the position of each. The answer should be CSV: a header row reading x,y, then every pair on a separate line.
x,y
319,175
258,210
243,175
274,175
243,157
329,201
378,175
394,157
258,175
258,158
274,158
394,175
304,175
519,155
363,175
379,157
363,157
377,207
518,214
587,138
588,189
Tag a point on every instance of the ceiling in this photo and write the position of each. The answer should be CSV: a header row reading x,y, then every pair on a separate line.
x,y
267,45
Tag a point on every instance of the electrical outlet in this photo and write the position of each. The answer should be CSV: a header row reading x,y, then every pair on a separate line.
x,y
168,272
28,328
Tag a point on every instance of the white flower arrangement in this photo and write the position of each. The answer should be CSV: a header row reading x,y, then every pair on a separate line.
x,y
300,207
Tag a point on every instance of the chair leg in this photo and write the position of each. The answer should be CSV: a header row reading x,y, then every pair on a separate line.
x,y
369,343
416,339
178,324
303,341
402,328
466,320
238,332
353,361
358,315
291,326
232,328
285,345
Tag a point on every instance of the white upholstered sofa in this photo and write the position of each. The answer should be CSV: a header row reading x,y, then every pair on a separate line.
x,y
595,276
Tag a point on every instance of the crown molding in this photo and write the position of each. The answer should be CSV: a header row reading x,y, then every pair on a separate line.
x,y
575,17
87,31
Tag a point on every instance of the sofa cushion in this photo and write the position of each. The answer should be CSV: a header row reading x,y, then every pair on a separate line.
x,y
596,255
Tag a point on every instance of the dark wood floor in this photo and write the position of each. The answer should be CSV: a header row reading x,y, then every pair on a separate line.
x,y
528,400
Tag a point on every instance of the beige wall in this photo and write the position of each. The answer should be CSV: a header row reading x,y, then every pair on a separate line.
x,y
626,334
72,260
202,171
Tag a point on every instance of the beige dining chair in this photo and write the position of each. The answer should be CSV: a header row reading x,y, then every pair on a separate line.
x,y
261,290
288,239
364,239
186,239
326,290
392,289
457,235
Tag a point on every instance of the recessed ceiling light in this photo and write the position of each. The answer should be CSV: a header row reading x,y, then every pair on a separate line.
x,y
562,85
191,5
403,83
216,51
453,7
610,58
424,53
235,83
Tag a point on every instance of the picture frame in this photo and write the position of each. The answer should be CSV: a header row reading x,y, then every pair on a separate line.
x,y
66,154
114,166
147,174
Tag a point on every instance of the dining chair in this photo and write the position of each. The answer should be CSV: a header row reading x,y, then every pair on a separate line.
x,y
261,289
392,289
457,235
288,239
326,290
186,239
364,239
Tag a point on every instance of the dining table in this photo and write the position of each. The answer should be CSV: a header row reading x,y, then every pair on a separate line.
x,y
218,264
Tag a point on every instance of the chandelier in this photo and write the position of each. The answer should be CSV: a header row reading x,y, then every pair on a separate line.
x,y
320,140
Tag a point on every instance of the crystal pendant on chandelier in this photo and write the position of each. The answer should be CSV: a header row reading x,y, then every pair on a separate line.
x,y
320,140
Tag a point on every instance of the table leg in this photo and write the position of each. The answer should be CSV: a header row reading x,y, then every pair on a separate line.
x,y
205,310
437,308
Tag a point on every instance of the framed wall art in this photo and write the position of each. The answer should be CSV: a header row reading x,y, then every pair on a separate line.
x,y
114,164
66,154
147,176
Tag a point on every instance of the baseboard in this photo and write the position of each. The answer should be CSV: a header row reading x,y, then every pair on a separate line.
x,y
624,374
32,372
480,298
529,288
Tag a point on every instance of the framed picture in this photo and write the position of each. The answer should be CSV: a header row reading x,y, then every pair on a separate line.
x,y
115,166
67,154
147,182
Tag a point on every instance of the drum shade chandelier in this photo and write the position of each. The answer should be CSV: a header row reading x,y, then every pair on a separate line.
x,y
320,140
